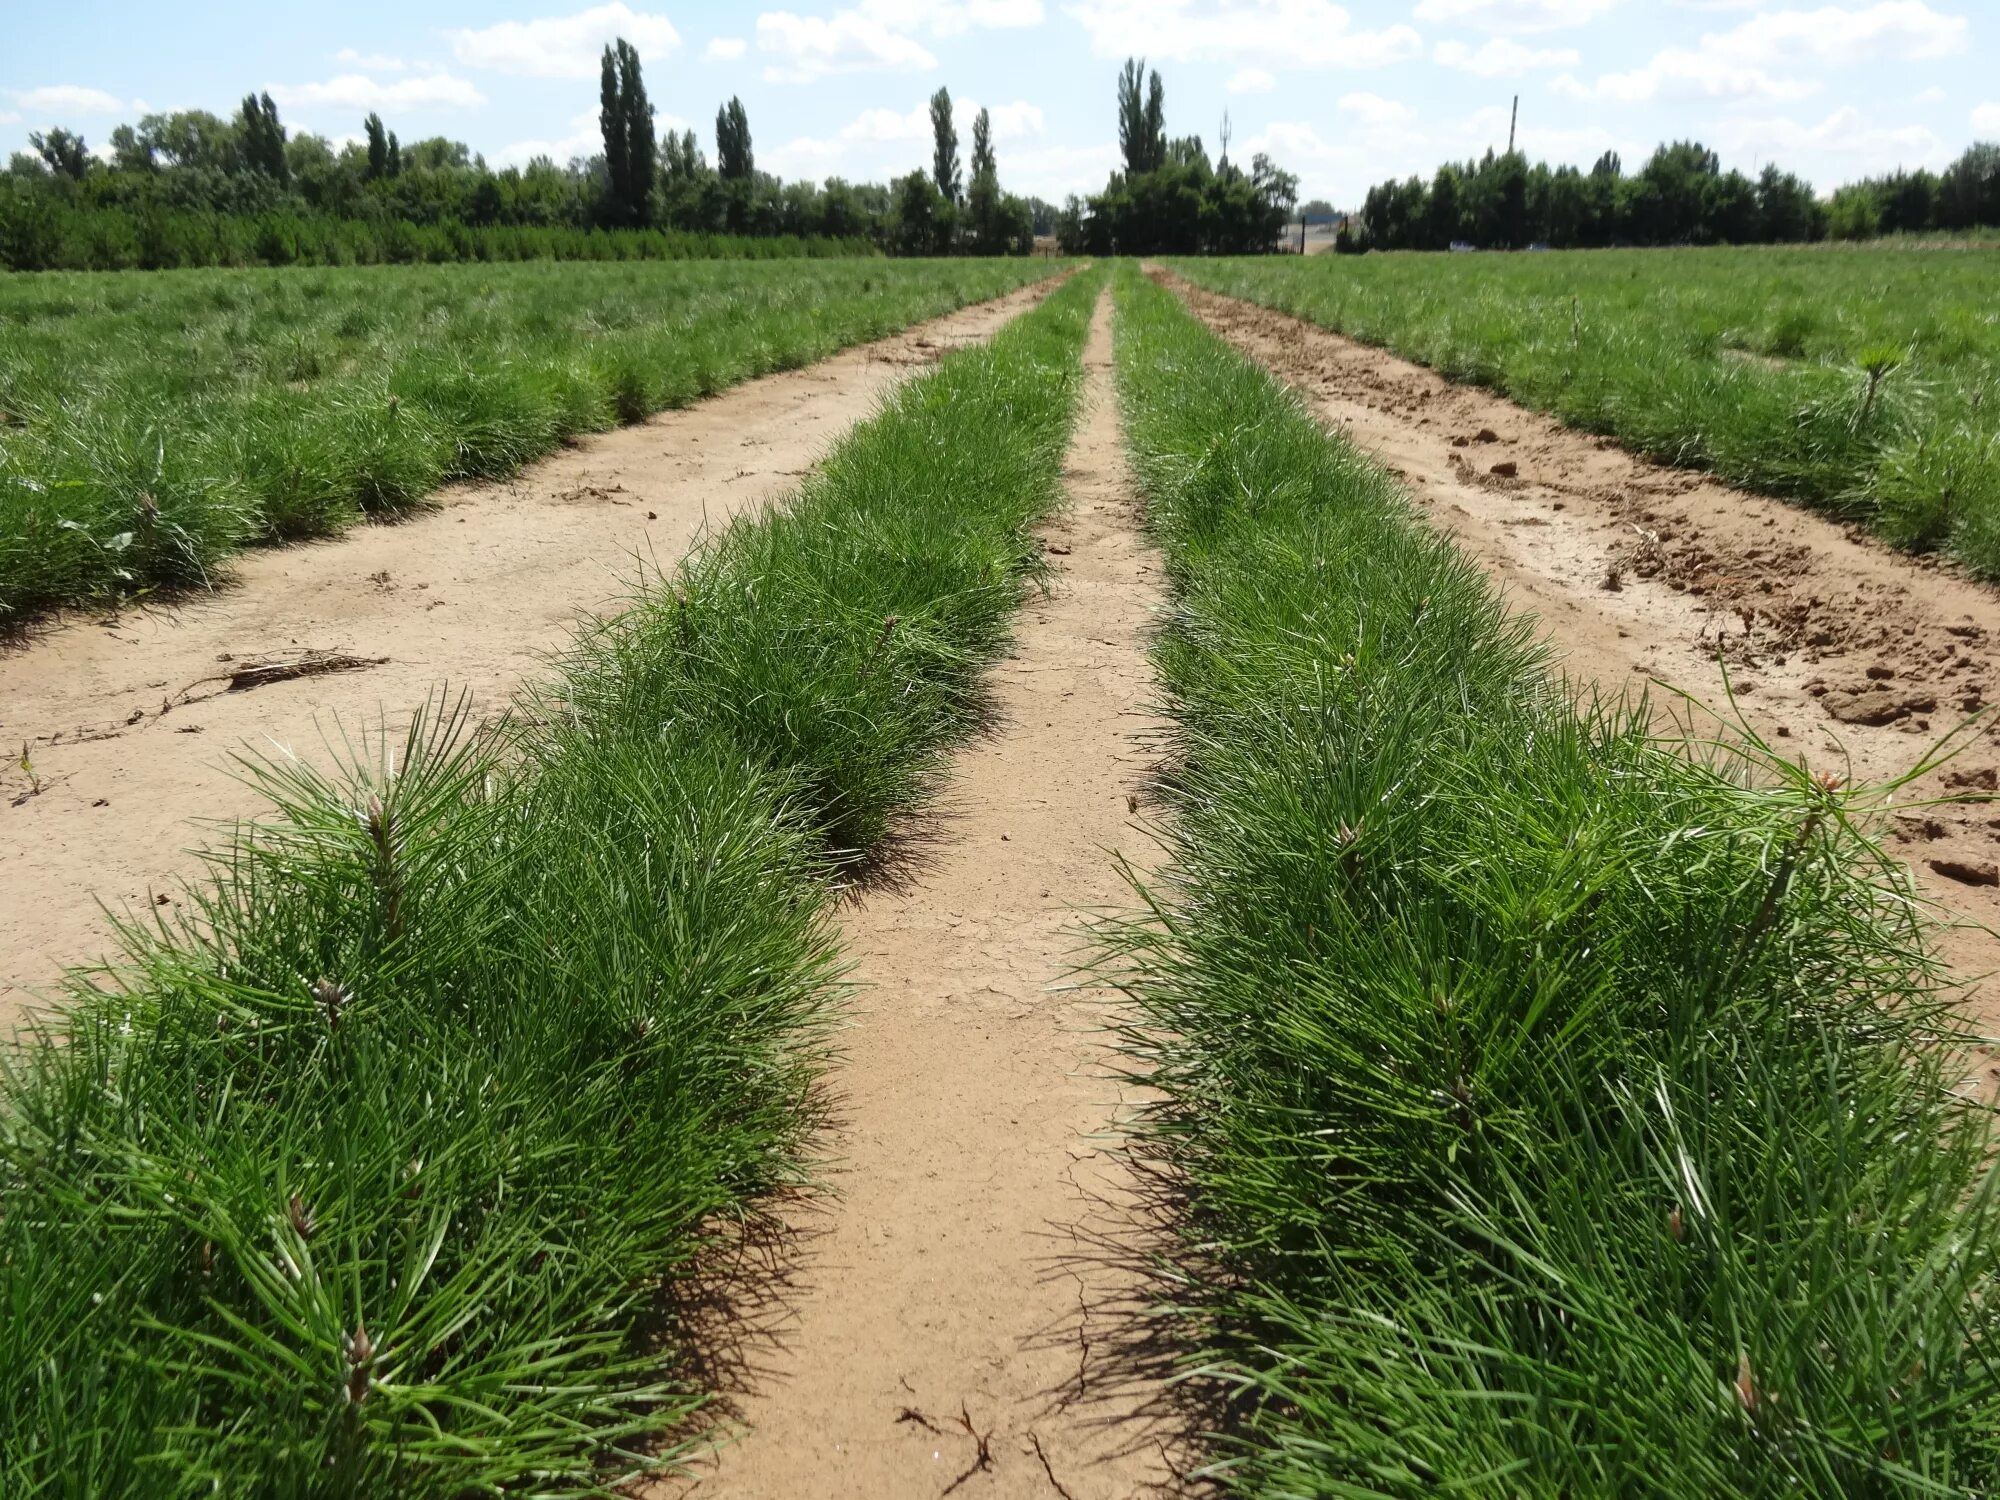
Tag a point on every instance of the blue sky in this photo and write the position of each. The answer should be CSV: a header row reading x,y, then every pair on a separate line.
x,y
1342,95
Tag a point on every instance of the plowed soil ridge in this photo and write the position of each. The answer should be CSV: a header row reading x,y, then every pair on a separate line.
x,y
1836,648
952,1314
126,723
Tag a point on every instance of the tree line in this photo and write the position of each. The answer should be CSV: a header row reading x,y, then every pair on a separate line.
x,y
194,188
1170,199
1680,196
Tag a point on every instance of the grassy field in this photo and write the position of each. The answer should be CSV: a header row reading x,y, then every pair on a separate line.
x,y
1560,1114
1860,381
151,423
370,1178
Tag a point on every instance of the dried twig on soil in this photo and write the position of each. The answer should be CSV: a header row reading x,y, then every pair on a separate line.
x,y
982,1458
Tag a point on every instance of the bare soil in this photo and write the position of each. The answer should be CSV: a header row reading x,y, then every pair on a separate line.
x,y
1839,650
127,722
961,1311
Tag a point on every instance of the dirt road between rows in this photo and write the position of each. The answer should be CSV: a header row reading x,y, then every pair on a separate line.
x,y
1837,648
952,1315
127,723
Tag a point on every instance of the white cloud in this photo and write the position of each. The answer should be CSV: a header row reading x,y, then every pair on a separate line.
x,y
1251,81
1502,57
1845,141
880,143
8,117
358,91
952,17
1683,71
1895,30
1373,110
1986,119
807,47
725,49
1932,95
65,99
1736,64
373,62
1512,15
564,46
877,35
585,137
1294,33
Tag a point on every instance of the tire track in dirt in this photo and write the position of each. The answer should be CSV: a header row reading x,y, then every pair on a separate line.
x,y
473,594
951,1316
1837,648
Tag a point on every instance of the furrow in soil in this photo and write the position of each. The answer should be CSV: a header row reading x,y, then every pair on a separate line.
x,y
1834,647
120,728
961,1306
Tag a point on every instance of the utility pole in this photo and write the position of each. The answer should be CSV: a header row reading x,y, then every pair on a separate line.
x,y
1513,120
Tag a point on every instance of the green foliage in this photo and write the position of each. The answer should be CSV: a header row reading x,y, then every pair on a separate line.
x,y
944,149
153,425
1170,200
734,159
1651,352
1561,1113
375,1176
631,153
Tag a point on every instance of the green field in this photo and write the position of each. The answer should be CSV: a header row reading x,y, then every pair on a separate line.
x,y
1558,1114
152,423
1860,382
366,1179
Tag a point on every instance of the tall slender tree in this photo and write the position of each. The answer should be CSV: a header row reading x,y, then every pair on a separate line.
x,y
734,161
631,149
263,138
1142,118
64,151
611,121
944,148
378,147
982,147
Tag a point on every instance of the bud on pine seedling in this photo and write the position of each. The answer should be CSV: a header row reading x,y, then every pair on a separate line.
x,y
359,1350
332,1000
1674,1227
302,1218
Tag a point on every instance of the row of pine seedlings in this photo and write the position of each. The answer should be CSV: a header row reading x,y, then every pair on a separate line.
x,y
375,1175
1559,1113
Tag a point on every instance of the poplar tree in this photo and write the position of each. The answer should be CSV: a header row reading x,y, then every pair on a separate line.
x,y
378,147
733,158
631,150
263,138
944,148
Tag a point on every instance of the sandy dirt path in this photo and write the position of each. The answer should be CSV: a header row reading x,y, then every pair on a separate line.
x,y
1838,648
473,595
951,1279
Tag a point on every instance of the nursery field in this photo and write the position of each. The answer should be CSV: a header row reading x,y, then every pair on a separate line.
x,y
1860,382
152,423
1104,938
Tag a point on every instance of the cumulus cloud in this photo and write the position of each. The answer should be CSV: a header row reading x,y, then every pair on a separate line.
x,y
1986,119
877,35
585,137
802,48
879,142
65,99
372,62
1738,63
725,49
1373,110
1502,57
563,46
1846,141
1893,31
1297,33
1513,15
358,91
1251,81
